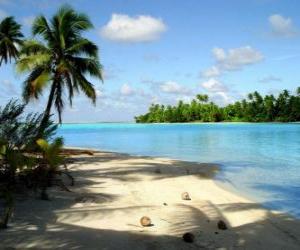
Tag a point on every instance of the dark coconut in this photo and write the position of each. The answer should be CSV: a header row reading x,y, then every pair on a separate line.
x,y
222,225
188,237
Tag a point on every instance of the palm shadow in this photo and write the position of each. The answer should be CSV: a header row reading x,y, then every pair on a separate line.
x,y
58,224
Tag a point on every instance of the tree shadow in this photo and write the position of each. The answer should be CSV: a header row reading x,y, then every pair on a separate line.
x,y
151,166
285,198
86,219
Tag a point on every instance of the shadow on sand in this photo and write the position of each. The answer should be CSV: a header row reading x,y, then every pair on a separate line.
x,y
40,224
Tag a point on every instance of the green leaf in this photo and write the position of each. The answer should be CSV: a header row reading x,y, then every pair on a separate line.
x,y
43,144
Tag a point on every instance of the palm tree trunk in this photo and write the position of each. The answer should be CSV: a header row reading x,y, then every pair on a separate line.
x,y
8,209
47,111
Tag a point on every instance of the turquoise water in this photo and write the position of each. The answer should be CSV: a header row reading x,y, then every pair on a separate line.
x,y
260,160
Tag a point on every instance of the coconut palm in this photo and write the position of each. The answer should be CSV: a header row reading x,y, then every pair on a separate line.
x,y
10,38
60,59
202,98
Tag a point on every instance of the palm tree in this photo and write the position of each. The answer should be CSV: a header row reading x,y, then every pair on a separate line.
x,y
60,59
10,38
202,98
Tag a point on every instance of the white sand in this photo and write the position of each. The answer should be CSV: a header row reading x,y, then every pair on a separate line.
x,y
113,191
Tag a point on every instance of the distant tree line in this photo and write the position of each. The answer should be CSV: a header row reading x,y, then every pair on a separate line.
x,y
256,108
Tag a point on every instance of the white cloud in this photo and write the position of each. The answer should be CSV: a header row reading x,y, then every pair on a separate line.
x,y
123,28
214,85
236,58
270,78
100,93
219,54
172,87
232,59
221,98
282,26
127,90
211,72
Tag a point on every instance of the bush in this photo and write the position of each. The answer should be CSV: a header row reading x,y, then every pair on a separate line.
x,y
27,159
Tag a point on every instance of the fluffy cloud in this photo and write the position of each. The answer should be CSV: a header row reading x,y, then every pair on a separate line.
x,y
123,28
270,78
218,92
282,26
214,85
172,87
237,58
100,93
221,98
232,59
211,72
127,90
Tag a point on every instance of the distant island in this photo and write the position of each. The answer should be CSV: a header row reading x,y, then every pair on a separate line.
x,y
256,108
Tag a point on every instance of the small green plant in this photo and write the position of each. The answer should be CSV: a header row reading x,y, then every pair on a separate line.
x,y
12,161
26,160
50,165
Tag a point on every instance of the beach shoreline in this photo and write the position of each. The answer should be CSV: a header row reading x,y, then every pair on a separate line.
x,y
220,181
114,190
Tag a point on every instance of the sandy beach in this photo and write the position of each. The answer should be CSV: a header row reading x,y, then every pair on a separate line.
x,y
113,191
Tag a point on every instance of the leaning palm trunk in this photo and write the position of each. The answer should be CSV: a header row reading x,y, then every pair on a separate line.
x,y
47,112
8,209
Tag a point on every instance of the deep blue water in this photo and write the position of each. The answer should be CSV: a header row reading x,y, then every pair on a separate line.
x,y
260,160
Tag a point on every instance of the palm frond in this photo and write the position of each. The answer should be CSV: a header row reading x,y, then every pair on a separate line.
x,y
41,27
86,87
89,66
34,47
10,38
31,61
35,83
83,47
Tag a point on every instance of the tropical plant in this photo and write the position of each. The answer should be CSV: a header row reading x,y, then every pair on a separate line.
x,y
61,59
12,161
256,108
19,162
10,38
22,132
50,163
202,98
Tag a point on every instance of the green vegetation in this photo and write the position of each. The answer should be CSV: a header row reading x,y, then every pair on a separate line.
x,y
283,108
10,37
24,163
58,58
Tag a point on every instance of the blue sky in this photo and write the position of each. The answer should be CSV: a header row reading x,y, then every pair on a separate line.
x,y
163,51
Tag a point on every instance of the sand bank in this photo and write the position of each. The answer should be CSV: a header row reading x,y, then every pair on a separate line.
x,y
113,191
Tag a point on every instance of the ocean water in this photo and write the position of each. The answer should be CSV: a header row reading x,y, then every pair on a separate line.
x,y
259,160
